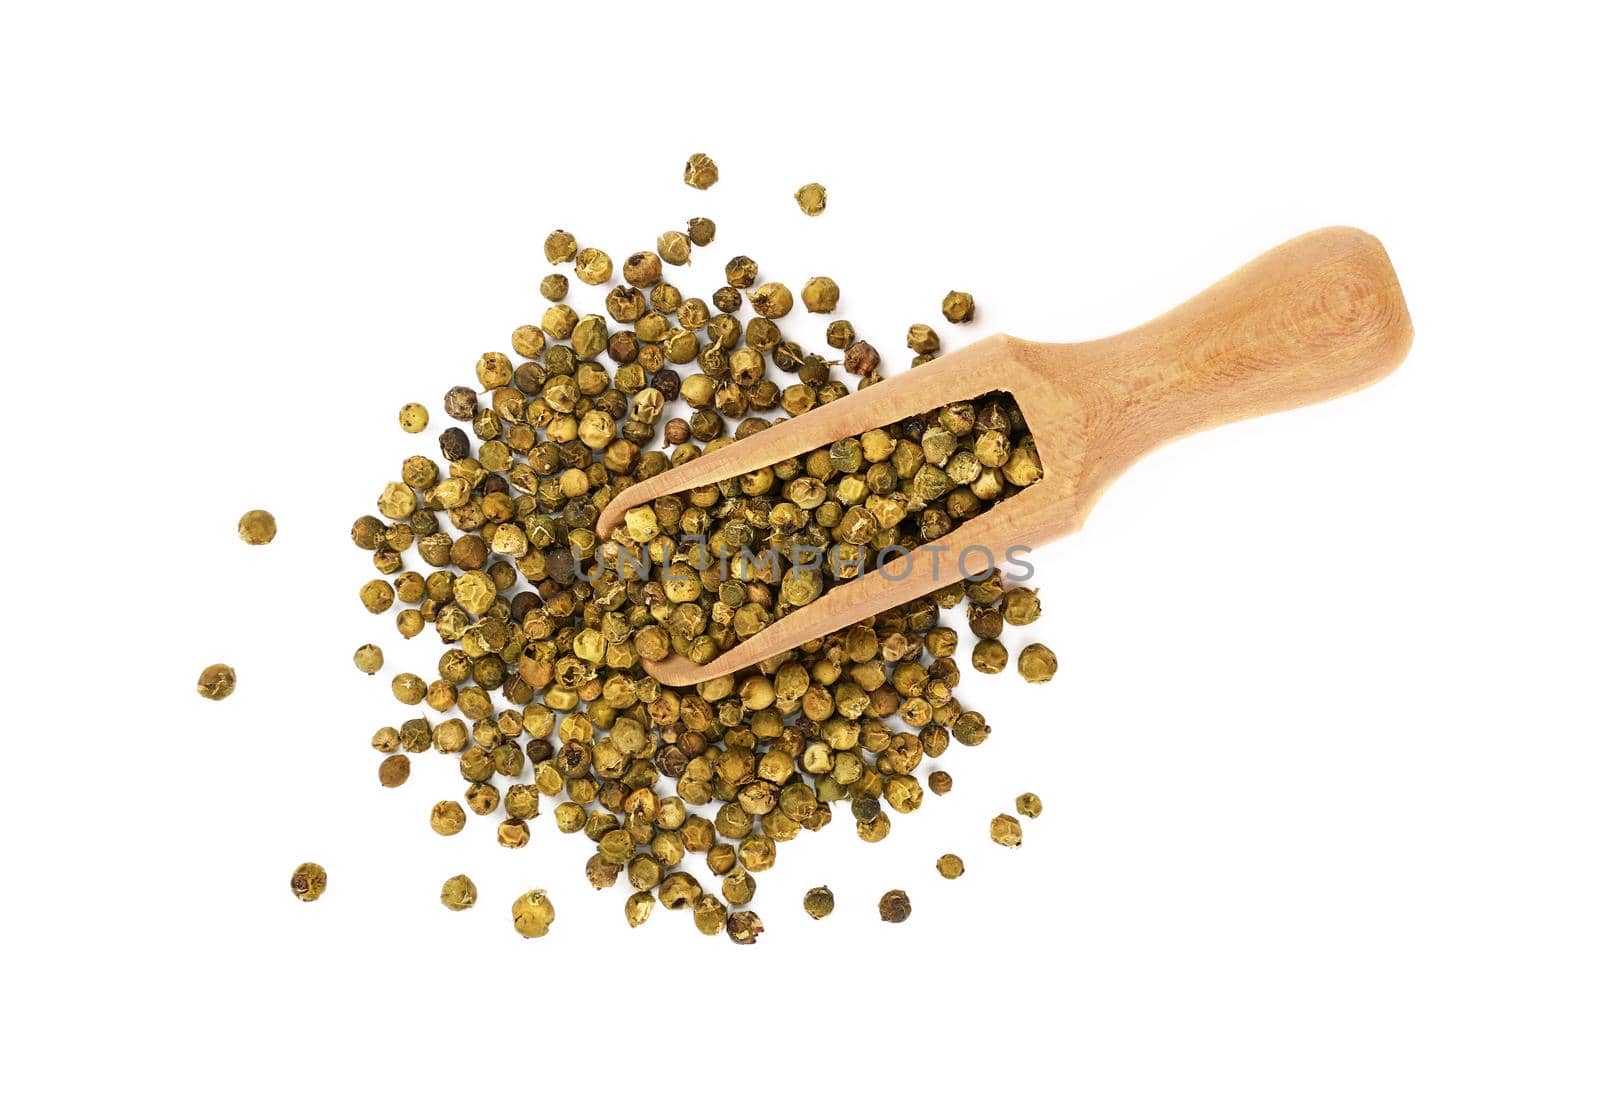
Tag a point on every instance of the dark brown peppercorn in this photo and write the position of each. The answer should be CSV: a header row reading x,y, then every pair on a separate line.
x,y
454,444
461,403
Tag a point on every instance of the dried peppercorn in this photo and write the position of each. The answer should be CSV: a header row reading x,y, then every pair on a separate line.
x,y
308,882
413,418
940,782
560,246
369,658
459,893
258,528
1005,830
950,866
1029,805
819,902
553,287
895,906
821,296
744,927
448,818
217,681
394,770
1036,663
702,231
812,198
921,338
957,307
532,914
700,171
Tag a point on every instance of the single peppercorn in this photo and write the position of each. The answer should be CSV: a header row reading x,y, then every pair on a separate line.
x,y
593,267
369,658
940,782
1029,805
841,334
741,272
819,902
532,914
217,681
744,927
812,198
989,656
702,231
308,882
258,527
957,307
413,418
1005,830
895,906
821,296
394,770
459,893
448,818
950,866
1036,663
553,287
700,171
922,339
637,908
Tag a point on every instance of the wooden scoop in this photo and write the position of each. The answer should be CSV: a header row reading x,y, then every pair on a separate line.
x,y
1312,319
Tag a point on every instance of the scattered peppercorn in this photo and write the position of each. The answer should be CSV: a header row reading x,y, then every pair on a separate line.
x,y
394,770
217,681
1036,663
1005,830
258,527
957,307
308,882
819,902
1029,805
700,171
950,866
895,906
532,914
413,418
812,198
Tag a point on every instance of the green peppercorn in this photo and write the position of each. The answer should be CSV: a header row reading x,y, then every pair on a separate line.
x,y
217,681
308,882
940,782
950,866
553,287
560,246
459,893
957,307
258,528
922,339
895,906
413,418
1036,663
819,902
1029,805
532,914
744,927
637,908
989,656
812,198
448,818
700,171
1005,830
702,231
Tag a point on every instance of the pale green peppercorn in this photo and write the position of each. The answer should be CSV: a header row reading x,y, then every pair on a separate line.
x,y
812,198
1029,805
532,914
217,681
950,866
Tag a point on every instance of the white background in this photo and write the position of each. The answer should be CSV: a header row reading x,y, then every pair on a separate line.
x,y
1319,768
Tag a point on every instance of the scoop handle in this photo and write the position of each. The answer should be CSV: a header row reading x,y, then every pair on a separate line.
x,y
1314,318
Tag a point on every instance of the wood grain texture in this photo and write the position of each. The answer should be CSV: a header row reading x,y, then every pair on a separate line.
x,y
1315,318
